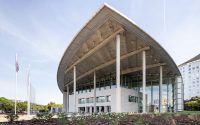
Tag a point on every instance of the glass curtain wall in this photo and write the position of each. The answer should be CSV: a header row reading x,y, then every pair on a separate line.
x,y
135,83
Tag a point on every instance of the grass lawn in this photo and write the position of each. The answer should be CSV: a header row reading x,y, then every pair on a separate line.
x,y
191,112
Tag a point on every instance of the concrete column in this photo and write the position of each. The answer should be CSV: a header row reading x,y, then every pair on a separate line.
x,y
65,101
100,109
173,95
144,81
176,95
86,110
168,80
95,109
75,89
151,93
160,89
151,97
105,109
91,109
118,90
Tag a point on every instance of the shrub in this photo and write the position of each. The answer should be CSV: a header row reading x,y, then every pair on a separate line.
x,y
48,116
12,117
44,115
40,115
62,118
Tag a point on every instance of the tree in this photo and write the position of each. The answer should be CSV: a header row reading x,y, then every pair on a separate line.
x,y
6,105
53,104
193,103
38,107
22,106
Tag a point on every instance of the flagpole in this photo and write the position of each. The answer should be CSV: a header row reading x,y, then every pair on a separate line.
x,y
16,87
29,91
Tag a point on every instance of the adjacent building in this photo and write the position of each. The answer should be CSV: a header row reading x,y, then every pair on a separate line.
x,y
191,77
112,65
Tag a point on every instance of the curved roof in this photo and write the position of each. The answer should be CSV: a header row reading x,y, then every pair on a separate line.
x,y
105,14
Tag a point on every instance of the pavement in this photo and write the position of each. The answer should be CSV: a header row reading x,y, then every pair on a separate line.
x,y
21,117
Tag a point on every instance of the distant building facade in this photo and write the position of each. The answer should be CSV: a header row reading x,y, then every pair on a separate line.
x,y
191,77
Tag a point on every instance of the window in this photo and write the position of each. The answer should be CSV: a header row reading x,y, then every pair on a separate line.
x,y
101,99
132,99
108,108
87,100
82,101
108,98
91,100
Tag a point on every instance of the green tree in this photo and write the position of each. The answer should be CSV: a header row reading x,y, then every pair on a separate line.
x,y
53,104
22,106
6,105
193,103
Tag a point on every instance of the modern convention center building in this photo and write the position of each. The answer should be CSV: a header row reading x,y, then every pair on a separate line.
x,y
112,65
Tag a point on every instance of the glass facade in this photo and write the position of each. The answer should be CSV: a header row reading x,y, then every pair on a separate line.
x,y
99,99
135,83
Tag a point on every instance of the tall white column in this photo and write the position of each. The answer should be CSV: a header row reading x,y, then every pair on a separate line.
x,y
160,89
105,109
151,93
118,90
91,109
144,81
67,98
65,101
95,109
75,89
168,80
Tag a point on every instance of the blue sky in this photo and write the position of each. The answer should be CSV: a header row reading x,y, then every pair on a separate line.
x,y
39,31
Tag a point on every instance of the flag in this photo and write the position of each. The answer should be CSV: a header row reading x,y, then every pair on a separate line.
x,y
16,64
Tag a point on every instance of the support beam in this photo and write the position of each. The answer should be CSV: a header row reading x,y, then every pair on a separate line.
x,y
95,109
100,45
75,89
160,89
118,90
111,62
144,81
130,70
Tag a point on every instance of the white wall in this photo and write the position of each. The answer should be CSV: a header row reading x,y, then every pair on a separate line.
x,y
126,106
